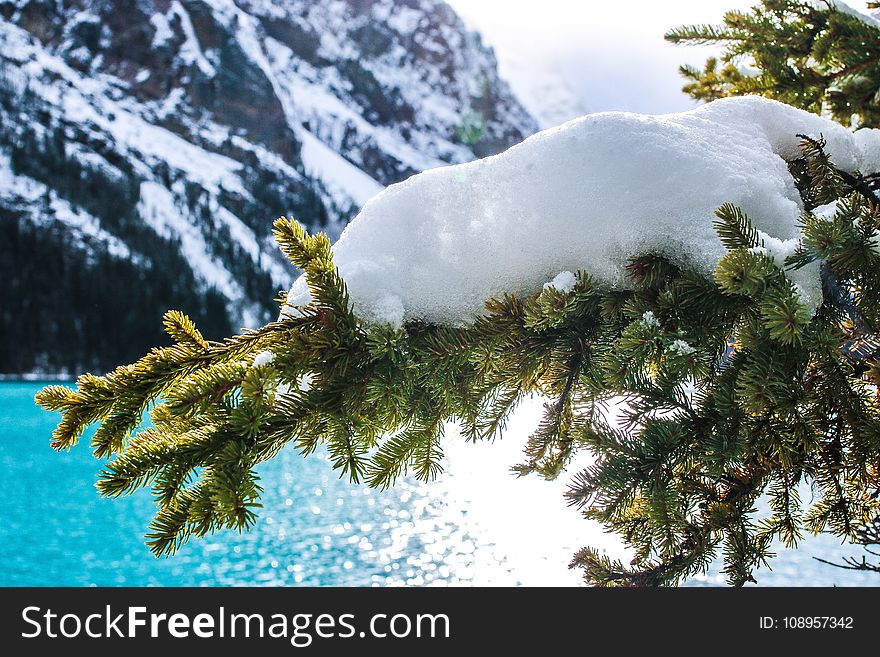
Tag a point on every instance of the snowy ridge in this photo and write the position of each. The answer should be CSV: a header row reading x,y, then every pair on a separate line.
x,y
586,195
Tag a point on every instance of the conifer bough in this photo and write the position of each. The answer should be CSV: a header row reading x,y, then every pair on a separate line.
x,y
730,389
818,55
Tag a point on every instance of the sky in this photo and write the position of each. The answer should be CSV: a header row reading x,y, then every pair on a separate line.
x,y
565,58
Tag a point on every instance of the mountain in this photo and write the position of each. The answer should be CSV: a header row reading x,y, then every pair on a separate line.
x,y
146,146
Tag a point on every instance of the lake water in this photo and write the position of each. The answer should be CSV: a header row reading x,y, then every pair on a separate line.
x,y
477,525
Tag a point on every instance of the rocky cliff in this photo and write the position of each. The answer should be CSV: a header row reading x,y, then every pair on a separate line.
x,y
147,145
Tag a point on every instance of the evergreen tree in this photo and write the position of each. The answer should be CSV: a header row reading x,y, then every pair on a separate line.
x,y
813,55
809,54
732,389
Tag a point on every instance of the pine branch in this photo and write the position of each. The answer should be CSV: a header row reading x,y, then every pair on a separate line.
x,y
731,389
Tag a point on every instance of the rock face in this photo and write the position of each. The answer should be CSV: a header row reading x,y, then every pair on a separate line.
x,y
147,145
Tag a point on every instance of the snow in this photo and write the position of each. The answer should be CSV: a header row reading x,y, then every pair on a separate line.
x,y
650,321
163,33
319,98
190,50
587,195
302,101
826,211
868,142
563,282
303,383
24,192
404,19
85,101
681,348
263,358
829,210
212,170
168,140
159,209
340,176
309,98
85,227
804,279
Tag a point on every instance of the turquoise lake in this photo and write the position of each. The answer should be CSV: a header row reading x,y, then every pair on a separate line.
x,y
477,525
313,530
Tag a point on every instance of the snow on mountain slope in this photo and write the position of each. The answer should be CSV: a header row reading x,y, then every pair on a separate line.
x,y
175,131
83,227
338,174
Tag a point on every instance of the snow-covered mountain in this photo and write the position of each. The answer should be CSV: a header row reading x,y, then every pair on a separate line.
x,y
147,145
